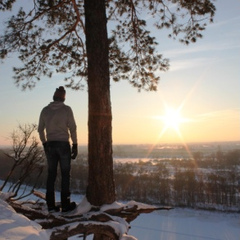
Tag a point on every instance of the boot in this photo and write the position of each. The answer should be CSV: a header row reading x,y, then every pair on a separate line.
x,y
50,198
66,204
54,209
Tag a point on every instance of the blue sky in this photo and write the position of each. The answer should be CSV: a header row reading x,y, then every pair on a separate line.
x,y
202,86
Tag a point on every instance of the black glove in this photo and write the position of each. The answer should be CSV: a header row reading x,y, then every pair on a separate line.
x,y
74,151
45,147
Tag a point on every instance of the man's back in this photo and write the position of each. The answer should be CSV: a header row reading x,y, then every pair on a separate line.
x,y
58,120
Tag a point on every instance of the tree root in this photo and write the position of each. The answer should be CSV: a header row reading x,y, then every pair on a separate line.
x,y
96,222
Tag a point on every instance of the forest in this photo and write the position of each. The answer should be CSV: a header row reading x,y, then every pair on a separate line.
x,y
208,182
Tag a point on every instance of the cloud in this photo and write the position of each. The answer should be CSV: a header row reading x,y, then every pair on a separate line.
x,y
189,63
178,52
229,21
199,55
221,115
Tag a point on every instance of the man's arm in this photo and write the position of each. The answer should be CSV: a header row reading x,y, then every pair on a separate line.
x,y
73,133
41,129
72,127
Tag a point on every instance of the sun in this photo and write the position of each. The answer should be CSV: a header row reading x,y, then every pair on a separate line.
x,y
171,124
172,119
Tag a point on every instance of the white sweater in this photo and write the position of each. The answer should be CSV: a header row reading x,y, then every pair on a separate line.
x,y
56,123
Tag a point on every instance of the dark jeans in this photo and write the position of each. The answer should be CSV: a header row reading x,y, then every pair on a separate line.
x,y
58,152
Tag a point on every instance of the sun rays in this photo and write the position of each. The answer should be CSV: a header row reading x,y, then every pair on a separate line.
x,y
172,120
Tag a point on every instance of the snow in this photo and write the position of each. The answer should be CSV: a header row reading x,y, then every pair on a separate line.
x,y
16,226
130,204
114,205
175,224
83,207
186,224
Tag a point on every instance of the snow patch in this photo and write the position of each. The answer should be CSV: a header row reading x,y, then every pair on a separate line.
x,y
18,227
5,196
114,205
83,207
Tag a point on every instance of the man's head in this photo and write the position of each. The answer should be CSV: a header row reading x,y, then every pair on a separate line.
x,y
59,94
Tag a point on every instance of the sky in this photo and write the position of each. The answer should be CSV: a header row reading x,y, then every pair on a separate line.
x,y
197,100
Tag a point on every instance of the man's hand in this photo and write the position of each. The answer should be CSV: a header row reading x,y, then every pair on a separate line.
x,y
45,147
74,151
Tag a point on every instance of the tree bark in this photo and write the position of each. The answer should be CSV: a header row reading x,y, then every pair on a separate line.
x,y
101,186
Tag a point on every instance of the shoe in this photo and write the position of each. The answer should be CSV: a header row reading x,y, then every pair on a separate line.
x,y
70,207
53,209
67,205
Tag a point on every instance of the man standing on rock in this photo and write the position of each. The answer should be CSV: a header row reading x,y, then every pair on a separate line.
x,y
56,126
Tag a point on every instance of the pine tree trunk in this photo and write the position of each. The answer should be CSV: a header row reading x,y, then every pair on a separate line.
x,y
101,187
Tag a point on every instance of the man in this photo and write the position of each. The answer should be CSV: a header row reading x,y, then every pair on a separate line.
x,y
56,126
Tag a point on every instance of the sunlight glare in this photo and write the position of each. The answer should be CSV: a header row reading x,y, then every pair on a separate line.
x,y
172,118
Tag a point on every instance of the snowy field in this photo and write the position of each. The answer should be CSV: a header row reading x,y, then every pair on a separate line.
x,y
175,224
186,224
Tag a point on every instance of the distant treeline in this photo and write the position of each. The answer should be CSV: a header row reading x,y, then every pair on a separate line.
x,y
211,182
207,183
